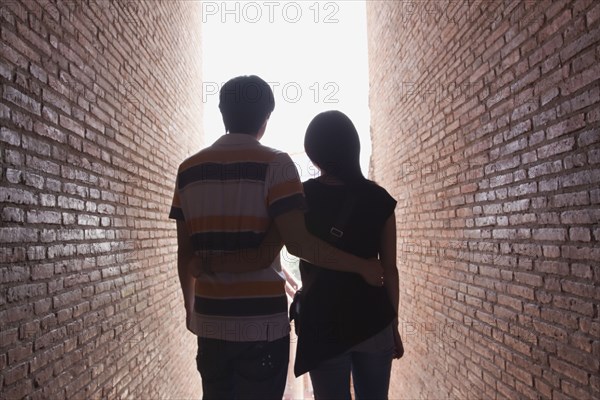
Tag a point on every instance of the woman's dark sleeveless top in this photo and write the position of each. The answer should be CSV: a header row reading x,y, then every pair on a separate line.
x,y
340,309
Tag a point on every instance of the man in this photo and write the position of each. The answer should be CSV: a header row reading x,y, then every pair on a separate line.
x,y
226,199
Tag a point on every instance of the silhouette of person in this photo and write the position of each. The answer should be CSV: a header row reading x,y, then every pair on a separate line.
x,y
347,327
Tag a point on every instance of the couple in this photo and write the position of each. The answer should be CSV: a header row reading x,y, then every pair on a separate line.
x,y
236,202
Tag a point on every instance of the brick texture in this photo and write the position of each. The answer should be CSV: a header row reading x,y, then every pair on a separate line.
x,y
485,126
100,101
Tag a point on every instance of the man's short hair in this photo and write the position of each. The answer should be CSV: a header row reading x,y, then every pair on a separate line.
x,y
245,102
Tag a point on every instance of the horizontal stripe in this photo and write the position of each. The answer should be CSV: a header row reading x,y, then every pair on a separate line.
x,y
284,189
295,202
206,198
252,153
241,307
228,224
227,241
176,213
223,172
267,274
240,289
241,329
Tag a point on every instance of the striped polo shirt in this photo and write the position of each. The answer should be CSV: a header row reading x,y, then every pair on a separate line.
x,y
228,195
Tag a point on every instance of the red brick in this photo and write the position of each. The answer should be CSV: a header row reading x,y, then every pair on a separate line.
x,y
22,100
584,78
555,25
18,234
579,358
593,15
19,353
43,217
71,125
574,304
590,216
569,200
528,279
522,189
10,137
594,156
588,177
580,289
579,234
42,271
589,137
33,38
17,43
23,292
576,46
57,101
14,374
50,132
555,148
550,234
8,337
575,160
582,271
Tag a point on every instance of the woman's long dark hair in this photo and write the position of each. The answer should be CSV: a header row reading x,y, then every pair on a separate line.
x,y
331,142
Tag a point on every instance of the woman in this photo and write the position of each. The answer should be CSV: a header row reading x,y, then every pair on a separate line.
x,y
347,326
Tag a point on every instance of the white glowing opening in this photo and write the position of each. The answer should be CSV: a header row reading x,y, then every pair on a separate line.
x,y
314,55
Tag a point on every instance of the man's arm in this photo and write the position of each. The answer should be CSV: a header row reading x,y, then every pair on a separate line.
x,y
302,244
185,256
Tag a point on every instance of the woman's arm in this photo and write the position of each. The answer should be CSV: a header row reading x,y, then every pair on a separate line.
x,y
388,261
390,274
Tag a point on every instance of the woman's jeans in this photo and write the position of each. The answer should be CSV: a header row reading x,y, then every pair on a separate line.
x,y
370,363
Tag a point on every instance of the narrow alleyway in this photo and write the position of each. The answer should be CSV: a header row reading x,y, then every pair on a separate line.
x,y
485,125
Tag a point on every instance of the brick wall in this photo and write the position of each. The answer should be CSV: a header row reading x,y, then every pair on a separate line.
x,y
485,124
100,101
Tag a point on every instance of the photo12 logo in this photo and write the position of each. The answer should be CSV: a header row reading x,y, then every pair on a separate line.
x,y
130,332
289,92
421,91
458,12
270,12
481,252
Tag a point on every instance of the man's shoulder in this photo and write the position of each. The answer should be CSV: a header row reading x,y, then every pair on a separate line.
x,y
192,160
271,150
